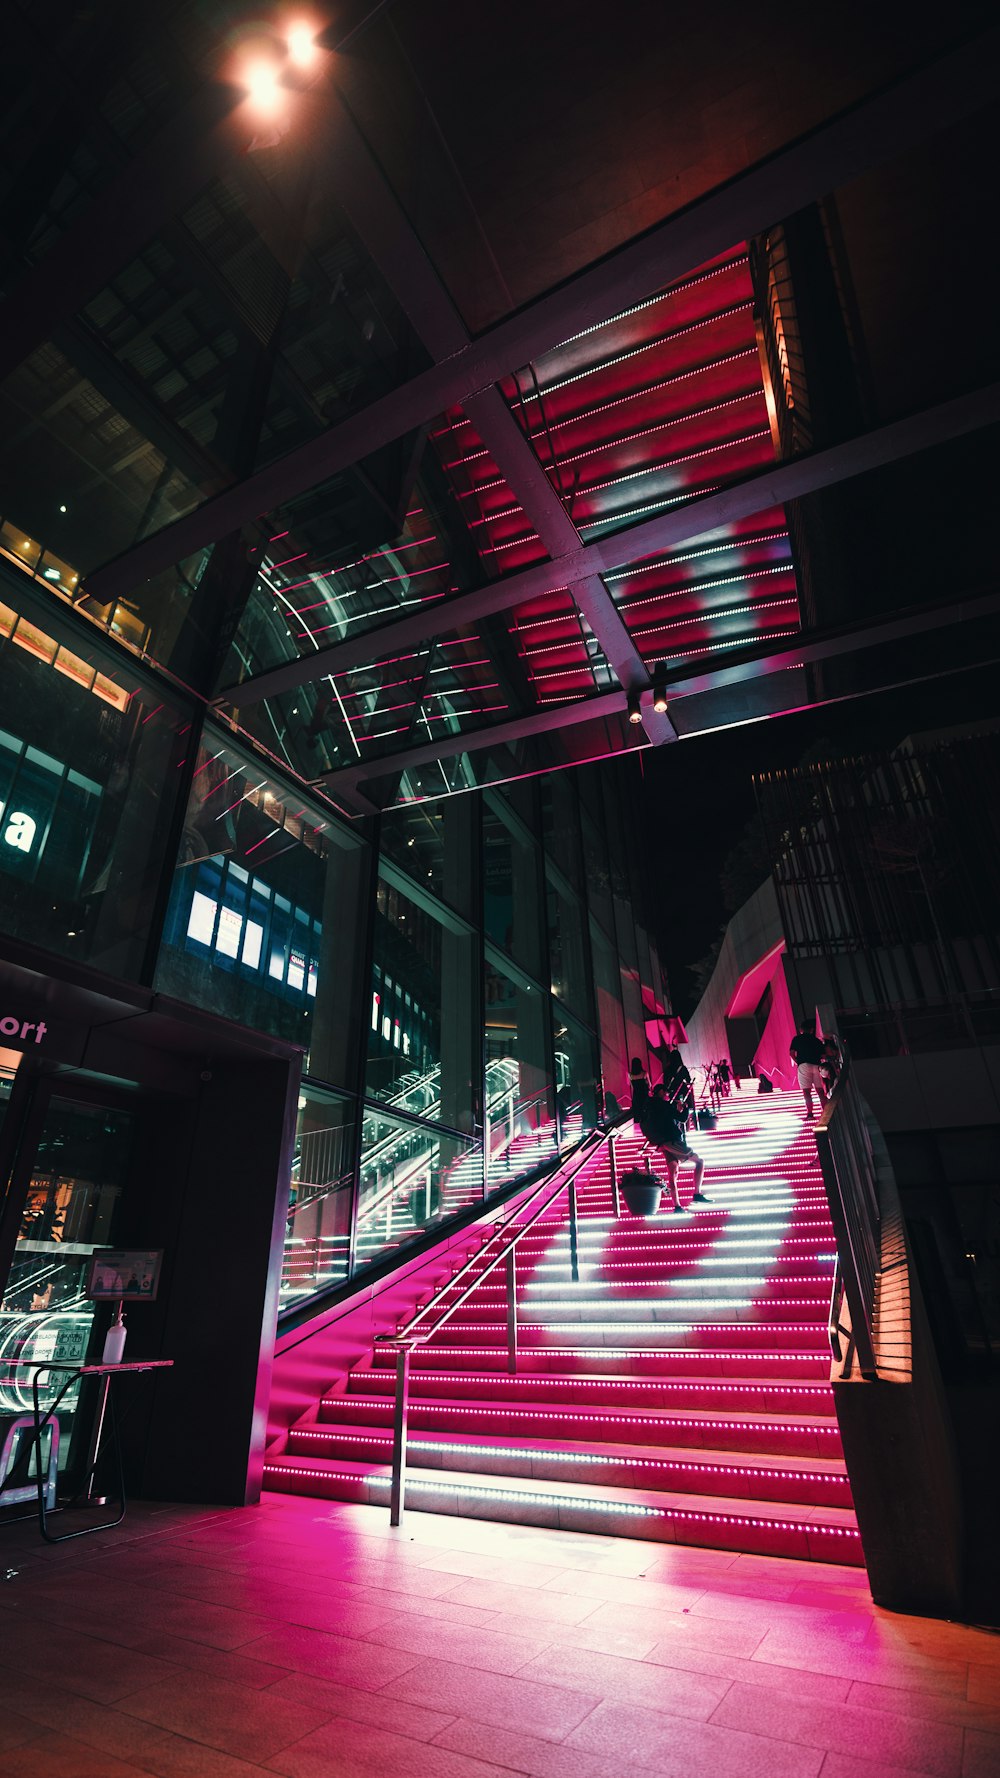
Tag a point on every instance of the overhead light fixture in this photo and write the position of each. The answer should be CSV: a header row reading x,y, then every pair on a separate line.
x,y
660,689
634,707
263,84
301,45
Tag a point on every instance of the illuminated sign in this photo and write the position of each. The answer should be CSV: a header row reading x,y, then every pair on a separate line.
x,y
19,830
12,1026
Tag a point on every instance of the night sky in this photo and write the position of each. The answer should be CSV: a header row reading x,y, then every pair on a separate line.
x,y
699,797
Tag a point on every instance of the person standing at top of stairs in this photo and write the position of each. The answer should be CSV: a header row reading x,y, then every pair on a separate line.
x,y
662,1129
638,1081
806,1051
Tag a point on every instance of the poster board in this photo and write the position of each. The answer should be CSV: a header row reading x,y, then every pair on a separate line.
x,y
132,1276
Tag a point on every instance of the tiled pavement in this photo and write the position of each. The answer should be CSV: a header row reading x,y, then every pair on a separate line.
x,y
307,1638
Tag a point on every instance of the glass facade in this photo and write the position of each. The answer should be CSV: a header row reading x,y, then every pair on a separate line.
x,y
464,976
70,1206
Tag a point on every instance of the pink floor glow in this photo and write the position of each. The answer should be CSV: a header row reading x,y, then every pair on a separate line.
x,y
307,1638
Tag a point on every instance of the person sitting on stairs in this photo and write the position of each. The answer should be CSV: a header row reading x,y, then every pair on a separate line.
x,y
663,1130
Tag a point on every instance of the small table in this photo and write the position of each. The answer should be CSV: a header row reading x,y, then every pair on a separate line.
x,y
75,1372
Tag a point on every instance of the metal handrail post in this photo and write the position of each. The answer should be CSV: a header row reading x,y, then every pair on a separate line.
x,y
397,1497
616,1203
574,1243
511,1268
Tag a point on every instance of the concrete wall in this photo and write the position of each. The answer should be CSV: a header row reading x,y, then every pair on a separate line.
x,y
753,935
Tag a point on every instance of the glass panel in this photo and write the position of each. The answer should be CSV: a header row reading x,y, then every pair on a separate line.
x,y
520,1094
435,844
511,888
576,1075
411,1176
611,1021
420,1047
567,952
88,762
318,1230
73,1195
595,859
450,771
264,889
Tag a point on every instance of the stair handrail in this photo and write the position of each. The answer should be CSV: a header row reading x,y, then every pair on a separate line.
x,y
851,1182
403,1341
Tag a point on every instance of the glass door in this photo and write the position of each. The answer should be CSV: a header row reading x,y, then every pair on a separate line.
x,y
64,1195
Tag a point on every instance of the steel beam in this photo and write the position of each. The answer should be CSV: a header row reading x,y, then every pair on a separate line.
x,y
877,129
760,660
773,486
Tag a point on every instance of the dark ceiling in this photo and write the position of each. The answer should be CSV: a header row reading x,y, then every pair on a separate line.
x,y
486,368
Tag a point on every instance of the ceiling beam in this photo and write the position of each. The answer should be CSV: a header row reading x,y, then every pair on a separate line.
x,y
879,128
773,486
760,660
389,238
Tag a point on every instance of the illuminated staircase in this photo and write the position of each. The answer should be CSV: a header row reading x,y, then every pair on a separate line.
x,y
679,1391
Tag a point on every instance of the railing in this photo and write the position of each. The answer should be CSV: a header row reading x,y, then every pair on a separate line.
x,y
849,1175
500,1248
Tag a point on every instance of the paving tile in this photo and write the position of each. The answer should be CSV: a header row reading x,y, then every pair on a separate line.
x,y
15,1730
51,1708
360,1706
926,1745
608,1676
823,1653
507,1597
479,1564
549,1711
984,1685
524,1753
88,1665
982,1754
936,1638
626,1589
234,1719
172,1756
350,1662
842,1765
739,1638
217,1663
939,1706
350,1750
495,1651
678,1749
61,1756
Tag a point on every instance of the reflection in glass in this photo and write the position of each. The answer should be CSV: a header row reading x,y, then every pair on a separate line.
x,y
577,1081
568,962
72,1198
411,1177
520,1095
87,767
262,895
420,1053
512,915
318,1229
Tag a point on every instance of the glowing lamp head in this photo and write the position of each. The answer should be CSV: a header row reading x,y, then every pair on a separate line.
x,y
263,84
302,47
634,707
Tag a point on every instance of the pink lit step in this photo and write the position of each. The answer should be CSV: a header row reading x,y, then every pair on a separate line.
x,y
679,1391
669,1338
786,1435
763,1395
805,1481
803,1366
765,1528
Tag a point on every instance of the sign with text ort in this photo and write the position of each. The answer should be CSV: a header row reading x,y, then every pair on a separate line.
x,y
12,1025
